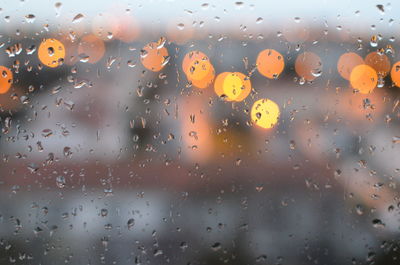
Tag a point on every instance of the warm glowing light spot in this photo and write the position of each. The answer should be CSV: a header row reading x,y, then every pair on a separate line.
x,y
265,113
232,86
270,63
379,61
51,52
364,78
190,59
154,56
219,84
206,81
198,69
395,74
91,49
308,65
246,87
347,62
6,79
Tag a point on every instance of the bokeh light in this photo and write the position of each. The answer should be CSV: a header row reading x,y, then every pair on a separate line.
x,y
232,86
91,49
206,81
395,74
347,62
270,63
51,52
6,79
379,61
364,78
265,113
154,56
308,65
198,69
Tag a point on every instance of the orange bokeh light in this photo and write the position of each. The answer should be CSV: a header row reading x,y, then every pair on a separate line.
x,y
270,63
364,78
379,61
308,65
154,56
347,62
6,79
219,83
198,69
51,52
395,74
206,81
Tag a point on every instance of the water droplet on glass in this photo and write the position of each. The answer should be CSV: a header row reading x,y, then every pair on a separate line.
x,y
30,18
131,223
180,26
60,181
78,18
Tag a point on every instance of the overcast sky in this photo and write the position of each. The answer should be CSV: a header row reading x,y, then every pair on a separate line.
x,y
336,12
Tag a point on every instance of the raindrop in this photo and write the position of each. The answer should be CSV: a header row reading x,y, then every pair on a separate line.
x,y
377,223
30,18
47,133
381,9
60,181
180,26
78,18
216,246
131,223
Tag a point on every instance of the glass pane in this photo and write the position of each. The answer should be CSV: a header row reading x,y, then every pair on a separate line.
x,y
189,132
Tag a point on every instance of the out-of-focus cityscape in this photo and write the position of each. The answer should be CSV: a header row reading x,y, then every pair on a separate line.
x,y
199,133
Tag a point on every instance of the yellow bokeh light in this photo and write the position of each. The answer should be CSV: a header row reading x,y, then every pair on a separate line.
x,y
347,62
219,83
270,63
246,86
265,113
6,79
364,78
395,74
232,86
51,52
